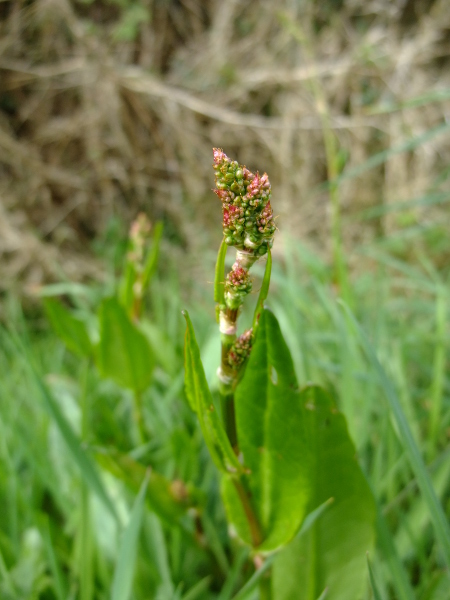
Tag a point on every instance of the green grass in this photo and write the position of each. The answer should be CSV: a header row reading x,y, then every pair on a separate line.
x,y
71,529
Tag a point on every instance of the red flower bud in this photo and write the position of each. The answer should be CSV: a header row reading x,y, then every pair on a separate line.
x,y
245,196
240,350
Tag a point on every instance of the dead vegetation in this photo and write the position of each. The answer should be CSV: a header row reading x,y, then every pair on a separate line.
x,y
108,108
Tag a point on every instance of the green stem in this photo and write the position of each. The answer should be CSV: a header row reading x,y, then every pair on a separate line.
x,y
227,383
229,418
253,523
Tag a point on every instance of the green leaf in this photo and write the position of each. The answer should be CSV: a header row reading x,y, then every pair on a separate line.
x,y
274,440
298,455
170,502
201,402
71,330
123,353
332,554
123,575
263,291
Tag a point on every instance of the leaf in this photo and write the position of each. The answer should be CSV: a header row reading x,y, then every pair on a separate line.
x,y
201,402
164,351
161,493
274,440
123,575
123,353
296,448
263,291
332,554
71,330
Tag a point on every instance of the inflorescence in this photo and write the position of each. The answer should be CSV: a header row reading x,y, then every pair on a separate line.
x,y
248,225
248,222
240,350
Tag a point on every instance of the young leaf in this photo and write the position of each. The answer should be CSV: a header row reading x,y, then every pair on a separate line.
x,y
332,554
71,330
123,353
274,439
123,575
201,402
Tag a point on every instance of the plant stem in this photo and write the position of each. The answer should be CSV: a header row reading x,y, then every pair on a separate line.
x,y
228,326
255,529
227,376
229,419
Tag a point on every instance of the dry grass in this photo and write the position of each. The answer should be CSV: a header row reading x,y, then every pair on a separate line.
x,y
93,124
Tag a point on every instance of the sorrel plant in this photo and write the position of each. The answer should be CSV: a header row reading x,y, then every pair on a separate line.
x,y
283,450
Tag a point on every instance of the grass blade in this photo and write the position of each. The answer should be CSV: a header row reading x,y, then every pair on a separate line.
x,y
254,579
439,367
437,515
123,575
198,589
386,543
81,459
59,586
376,592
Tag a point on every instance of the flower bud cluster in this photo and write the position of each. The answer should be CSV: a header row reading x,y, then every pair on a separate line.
x,y
240,350
247,214
237,285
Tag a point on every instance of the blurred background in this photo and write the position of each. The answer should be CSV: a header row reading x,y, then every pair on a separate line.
x,y
110,108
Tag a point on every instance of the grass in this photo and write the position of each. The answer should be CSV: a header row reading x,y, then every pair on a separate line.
x,y
72,530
